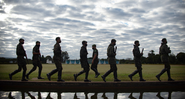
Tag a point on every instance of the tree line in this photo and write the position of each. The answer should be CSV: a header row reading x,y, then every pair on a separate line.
x,y
151,59
156,59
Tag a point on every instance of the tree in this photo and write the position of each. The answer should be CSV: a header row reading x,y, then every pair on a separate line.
x,y
172,59
64,56
181,58
151,57
43,59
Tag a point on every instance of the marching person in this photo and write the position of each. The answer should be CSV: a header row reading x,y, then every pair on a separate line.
x,y
21,53
36,61
164,50
95,60
57,59
84,62
111,53
137,59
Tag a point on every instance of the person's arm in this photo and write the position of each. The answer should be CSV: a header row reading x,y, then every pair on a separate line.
x,y
111,52
137,53
20,50
167,49
95,55
35,51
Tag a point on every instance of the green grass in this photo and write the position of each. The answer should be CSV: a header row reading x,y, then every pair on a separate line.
x,y
149,72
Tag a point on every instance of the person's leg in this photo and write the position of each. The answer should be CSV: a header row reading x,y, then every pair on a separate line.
x,y
94,68
24,72
40,70
16,71
140,73
33,69
59,68
114,68
51,73
162,72
167,66
106,74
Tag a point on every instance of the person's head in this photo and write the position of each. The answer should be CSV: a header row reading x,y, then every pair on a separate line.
x,y
37,43
94,46
58,40
137,43
113,41
84,43
164,41
21,41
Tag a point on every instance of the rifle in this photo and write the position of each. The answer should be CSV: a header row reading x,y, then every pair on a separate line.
x,y
26,57
142,50
25,54
115,49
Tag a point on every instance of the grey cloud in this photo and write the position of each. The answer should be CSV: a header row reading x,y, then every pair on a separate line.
x,y
118,13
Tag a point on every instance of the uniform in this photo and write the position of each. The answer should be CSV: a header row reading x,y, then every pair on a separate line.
x,y
164,50
57,60
95,63
137,59
112,61
36,62
84,63
20,61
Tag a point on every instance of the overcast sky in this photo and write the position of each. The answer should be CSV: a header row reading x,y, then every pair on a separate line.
x,y
96,21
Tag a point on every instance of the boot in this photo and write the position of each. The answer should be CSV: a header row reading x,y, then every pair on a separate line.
x,y
96,72
130,76
75,76
86,80
86,77
59,76
105,75
97,75
39,76
115,77
162,72
103,78
48,75
141,76
169,76
10,76
23,76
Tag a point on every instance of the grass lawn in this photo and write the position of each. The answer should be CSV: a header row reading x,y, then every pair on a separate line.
x,y
149,72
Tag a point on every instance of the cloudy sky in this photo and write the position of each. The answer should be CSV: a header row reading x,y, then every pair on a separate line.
x,y
96,21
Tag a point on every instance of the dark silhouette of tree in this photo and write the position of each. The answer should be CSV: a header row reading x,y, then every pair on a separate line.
x,y
43,59
64,56
181,58
172,58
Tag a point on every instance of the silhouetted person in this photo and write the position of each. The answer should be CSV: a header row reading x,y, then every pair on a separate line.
x,y
36,59
10,96
159,95
104,96
111,53
57,59
48,96
95,61
31,96
86,95
75,96
84,62
164,50
137,59
21,53
131,97
94,96
115,95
